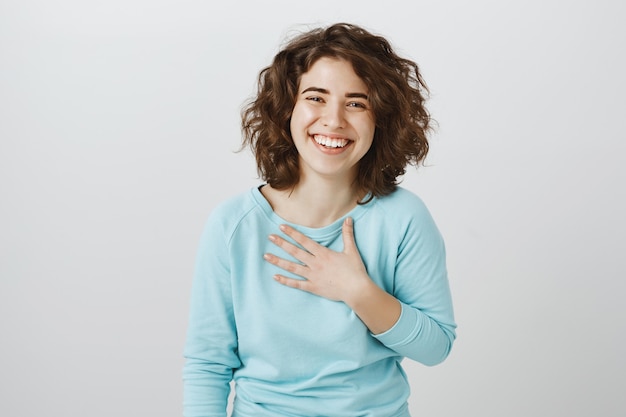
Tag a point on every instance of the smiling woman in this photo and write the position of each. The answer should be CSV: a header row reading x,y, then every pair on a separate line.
x,y
331,117
358,265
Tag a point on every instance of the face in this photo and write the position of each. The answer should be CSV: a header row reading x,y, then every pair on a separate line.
x,y
332,124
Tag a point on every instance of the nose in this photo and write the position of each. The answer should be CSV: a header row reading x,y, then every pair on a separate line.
x,y
333,116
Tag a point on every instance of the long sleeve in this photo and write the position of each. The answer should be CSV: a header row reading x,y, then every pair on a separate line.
x,y
425,330
211,346
289,352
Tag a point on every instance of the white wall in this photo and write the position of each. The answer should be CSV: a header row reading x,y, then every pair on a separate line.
x,y
117,124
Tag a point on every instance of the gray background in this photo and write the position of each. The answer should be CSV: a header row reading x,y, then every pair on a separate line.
x,y
118,121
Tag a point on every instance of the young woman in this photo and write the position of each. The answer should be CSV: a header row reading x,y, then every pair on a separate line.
x,y
311,288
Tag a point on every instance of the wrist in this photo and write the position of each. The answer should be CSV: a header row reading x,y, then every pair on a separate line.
x,y
361,294
376,308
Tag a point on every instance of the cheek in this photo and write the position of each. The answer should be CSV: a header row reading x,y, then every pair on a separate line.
x,y
291,123
294,121
298,124
303,113
368,129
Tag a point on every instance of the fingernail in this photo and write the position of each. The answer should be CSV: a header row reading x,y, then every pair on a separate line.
x,y
282,227
272,238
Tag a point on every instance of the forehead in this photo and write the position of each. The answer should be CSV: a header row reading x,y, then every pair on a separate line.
x,y
332,72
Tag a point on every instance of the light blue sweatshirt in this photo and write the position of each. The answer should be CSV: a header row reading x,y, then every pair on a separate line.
x,y
292,353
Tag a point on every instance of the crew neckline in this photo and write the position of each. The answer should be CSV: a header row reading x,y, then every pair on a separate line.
x,y
313,232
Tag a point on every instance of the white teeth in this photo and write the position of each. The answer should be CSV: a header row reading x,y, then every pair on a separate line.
x,y
330,142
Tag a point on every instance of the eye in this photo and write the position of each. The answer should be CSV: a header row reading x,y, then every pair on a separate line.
x,y
315,99
357,105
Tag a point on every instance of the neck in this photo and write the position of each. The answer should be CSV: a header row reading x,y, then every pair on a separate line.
x,y
314,203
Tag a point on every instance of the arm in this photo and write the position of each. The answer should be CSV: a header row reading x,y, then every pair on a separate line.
x,y
338,276
425,330
211,347
416,320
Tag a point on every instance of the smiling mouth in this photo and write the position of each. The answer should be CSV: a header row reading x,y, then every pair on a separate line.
x,y
330,142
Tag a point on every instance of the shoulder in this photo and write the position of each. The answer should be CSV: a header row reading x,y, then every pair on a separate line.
x,y
407,214
228,214
402,203
234,206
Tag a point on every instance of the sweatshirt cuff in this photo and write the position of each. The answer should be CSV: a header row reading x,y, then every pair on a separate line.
x,y
403,331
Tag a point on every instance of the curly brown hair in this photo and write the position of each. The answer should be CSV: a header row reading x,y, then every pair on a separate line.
x,y
397,94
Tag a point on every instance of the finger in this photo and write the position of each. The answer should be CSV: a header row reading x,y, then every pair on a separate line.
x,y
306,242
293,267
293,283
293,250
347,233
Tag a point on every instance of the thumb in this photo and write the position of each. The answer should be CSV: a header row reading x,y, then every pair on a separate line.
x,y
347,232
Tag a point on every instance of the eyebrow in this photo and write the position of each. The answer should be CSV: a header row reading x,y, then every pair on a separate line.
x,y
325,91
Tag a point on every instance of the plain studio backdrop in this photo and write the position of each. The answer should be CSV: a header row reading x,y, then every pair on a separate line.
x,y
118,126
